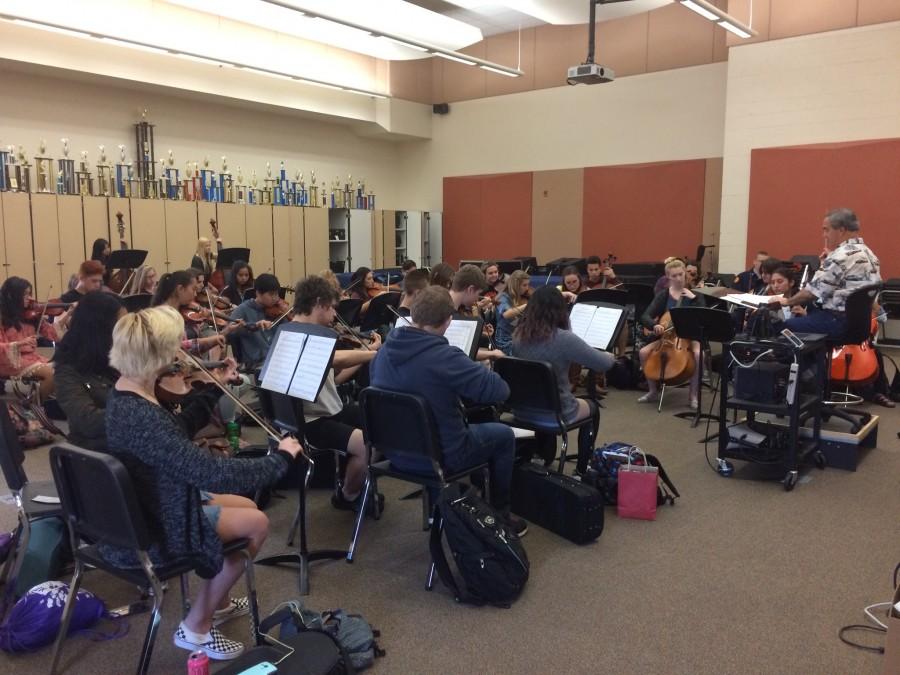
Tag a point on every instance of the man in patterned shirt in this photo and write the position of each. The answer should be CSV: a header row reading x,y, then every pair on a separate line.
x,y
847,264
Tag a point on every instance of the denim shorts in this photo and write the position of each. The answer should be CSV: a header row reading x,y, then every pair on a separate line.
x,y
212,512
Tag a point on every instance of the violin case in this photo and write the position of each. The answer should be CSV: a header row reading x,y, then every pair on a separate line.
x,y
557,502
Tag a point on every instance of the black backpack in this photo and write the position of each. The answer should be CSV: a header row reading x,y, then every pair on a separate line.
x,y
489,555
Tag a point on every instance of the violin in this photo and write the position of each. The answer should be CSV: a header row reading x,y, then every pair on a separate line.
x,y
279,310
196,314
672,360
53,307
217,276
175,382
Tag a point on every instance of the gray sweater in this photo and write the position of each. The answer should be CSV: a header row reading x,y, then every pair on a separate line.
x,y
562,349
168,472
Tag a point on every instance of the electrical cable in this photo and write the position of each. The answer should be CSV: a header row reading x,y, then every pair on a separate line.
x,y
878,628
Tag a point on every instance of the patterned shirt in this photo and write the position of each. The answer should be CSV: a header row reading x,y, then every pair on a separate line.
x,y
850,266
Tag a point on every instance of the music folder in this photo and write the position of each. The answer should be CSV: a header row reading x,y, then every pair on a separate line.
x,y
597,323
299,360
463,333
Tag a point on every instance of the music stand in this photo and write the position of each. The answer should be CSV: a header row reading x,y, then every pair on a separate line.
x,y
704,325
229,256
126,259
349,310
378,313
610,295
137,302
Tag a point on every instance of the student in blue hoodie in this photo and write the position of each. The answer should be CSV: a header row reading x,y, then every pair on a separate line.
x,y
418,359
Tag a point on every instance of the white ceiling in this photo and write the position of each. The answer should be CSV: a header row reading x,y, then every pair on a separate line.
x,y
503,16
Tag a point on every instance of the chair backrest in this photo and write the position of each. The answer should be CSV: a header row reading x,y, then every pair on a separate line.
x,y
609,295
98,499
532,384
398,423
12,457
859,314
349,310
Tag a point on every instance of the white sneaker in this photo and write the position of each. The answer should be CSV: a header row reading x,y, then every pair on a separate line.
x,y
237,607
649,398
214,644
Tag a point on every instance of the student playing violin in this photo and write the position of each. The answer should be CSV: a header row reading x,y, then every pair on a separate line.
x,y
18,336
572,281
239,282
255,343
512,305
364,287
329,276
676,295
178,290
414,282
441,275
204,257
495,280
467,284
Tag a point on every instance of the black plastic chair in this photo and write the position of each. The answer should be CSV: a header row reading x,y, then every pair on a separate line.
x,y
12,459
400,424
378,314
533,385
349,310
286,414
100,508
859,325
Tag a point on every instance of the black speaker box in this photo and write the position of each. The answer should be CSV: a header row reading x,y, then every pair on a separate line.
x,y
441,108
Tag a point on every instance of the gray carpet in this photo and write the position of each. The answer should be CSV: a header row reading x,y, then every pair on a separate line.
x,y
738,577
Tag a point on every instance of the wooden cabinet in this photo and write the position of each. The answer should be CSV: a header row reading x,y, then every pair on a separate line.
x,y
385,229
17,256
57,227
259,237
315,231
360,239
232,225
95,216
148,232
181,235
72,248
289,243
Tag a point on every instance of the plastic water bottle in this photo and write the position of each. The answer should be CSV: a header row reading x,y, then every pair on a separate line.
x,y
233,434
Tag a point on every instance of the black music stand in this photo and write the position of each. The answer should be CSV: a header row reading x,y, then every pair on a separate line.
x,y
378,313
126,259
704,325
137,302
229,256
610,295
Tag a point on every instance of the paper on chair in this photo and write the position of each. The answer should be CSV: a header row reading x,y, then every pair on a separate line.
x,y
45,499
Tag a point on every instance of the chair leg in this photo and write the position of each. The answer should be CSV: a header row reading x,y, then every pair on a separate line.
x,y
564,451
487,484
359,517
13,552
250,576
426,509
21,548
185,594
429,581
155,615
66,615
295,525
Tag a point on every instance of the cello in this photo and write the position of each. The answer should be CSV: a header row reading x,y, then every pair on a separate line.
x,y
216,276
672,360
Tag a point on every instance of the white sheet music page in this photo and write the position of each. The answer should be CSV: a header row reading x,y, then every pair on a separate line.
x,y
461,333
603,325
311,370
580,319
283,361
750,298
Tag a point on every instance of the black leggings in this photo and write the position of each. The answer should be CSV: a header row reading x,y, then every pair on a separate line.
x,y
587,436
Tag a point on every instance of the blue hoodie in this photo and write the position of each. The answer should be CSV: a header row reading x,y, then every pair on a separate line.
x,y
417,362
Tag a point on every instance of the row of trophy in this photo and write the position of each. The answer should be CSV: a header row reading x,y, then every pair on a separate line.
x,y
196,183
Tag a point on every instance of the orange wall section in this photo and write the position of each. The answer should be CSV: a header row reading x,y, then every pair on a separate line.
x,y
644,212
487,216
792,188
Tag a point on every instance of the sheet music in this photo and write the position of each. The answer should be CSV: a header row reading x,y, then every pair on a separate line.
x,y
461,333
311,368
750,298
283,361
595,325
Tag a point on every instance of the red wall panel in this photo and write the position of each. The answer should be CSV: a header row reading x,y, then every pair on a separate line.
x,y
487,216
792,188
644,212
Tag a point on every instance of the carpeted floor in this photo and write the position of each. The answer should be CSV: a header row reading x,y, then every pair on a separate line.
x,y
738,577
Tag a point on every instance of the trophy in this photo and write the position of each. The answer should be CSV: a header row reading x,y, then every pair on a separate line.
x,y
121,173
65,181
105,184
196,192
145,153
313,190
300,190
132,184
207,182
335,195
5,155
371,199
226,184
21,172
176,191
163,180
240,190
43,168
348,193
265,196
83,176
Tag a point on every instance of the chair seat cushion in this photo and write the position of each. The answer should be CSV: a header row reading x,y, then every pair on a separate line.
x,y
513,421
385,468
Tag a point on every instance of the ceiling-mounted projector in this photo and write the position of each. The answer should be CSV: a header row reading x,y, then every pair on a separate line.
x,y
590,73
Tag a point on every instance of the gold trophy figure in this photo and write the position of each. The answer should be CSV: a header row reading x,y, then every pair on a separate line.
x,y
43,166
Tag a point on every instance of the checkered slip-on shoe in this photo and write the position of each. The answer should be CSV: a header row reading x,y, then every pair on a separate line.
x,y
237,607
216,646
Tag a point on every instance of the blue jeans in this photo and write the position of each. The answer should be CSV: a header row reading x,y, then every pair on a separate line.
x,y
818,321
490,442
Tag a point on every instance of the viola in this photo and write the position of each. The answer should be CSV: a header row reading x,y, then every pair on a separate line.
x,y
672,360
855,365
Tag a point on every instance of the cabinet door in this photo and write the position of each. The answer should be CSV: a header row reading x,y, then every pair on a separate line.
x,y
96,221
181,234
387,234
435,242
71,236
414,237
45,230
360,239
298,248
148,231
259,237
19,258
315,230
281,235
232,225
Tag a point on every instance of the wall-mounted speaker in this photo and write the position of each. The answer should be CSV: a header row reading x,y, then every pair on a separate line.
x,y
441,108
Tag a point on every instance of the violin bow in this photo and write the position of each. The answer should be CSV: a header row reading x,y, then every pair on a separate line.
x,y
399,315
212,311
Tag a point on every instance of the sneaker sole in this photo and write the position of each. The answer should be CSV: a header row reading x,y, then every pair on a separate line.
x,y
216,656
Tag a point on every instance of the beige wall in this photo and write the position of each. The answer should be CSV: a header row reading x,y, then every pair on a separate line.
x,y
679,114
557,213
829,87
91,114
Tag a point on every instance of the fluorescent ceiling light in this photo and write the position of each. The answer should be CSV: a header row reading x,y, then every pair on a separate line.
x,y
497,70
321,84
365,93
451,57
702,11
408,45
267,73
134,45
740,32
52,29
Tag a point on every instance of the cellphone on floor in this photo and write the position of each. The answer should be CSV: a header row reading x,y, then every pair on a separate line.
x,y
263,668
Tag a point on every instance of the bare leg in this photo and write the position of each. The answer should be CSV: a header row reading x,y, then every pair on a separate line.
x,y
644,354
234,523
43,371
357,465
